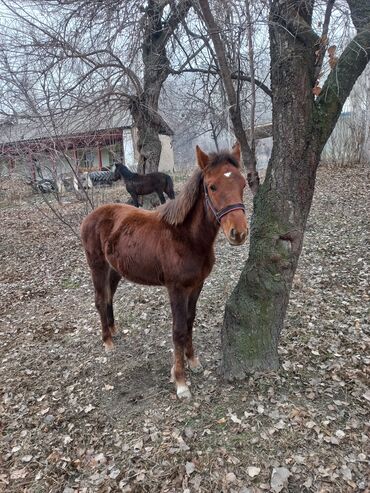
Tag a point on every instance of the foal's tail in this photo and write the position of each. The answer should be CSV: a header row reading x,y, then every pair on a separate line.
x,y
169,187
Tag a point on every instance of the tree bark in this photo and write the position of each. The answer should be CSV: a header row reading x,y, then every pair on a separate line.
x,y
144,107
148,143
255,312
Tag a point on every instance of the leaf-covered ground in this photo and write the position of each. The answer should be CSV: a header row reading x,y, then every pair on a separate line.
x,y
75,419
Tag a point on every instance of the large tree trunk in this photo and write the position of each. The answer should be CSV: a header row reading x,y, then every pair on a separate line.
x,y
144,108
150,148
255,312
148,143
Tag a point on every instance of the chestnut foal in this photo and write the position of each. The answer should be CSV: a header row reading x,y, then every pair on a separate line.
x,y
171,246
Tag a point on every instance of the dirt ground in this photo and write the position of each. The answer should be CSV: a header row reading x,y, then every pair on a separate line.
x,y
75,419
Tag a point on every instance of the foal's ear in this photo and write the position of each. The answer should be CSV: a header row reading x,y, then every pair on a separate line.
x,y
236,151
202,158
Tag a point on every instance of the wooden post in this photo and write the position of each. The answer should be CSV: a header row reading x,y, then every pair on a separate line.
x,y
33,169
100,159
75,180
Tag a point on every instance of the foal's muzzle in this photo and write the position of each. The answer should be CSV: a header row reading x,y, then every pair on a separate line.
x,y
235,227
237,238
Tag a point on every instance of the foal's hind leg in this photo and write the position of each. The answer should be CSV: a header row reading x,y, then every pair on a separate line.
x,y
179,307
193,360
99,272
113,280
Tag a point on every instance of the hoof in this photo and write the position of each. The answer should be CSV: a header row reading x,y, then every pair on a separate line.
x,y
183,392
195,365
108,345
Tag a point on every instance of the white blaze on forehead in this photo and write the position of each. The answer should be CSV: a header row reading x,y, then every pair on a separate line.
x,y
228,174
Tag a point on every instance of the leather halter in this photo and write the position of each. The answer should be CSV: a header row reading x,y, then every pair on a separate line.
x,y
219,214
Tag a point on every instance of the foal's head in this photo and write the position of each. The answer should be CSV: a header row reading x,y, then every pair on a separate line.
x,y
223,187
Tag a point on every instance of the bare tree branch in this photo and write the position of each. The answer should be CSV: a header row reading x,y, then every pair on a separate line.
x,y
234,109
323,42
343,76
216,71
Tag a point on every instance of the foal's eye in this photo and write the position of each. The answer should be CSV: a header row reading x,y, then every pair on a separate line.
x,y
213,188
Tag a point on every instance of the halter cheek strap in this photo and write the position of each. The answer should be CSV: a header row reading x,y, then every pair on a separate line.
x,y
219,214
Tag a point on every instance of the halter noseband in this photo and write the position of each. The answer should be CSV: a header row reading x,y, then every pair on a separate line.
x,y
219,214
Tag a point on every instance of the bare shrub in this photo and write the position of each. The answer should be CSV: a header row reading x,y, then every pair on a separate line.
x,y
346,144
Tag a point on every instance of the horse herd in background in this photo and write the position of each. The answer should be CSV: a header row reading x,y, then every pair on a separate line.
x,y
136,184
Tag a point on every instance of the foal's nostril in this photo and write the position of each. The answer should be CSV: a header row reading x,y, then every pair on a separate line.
x,y
243,236
233,234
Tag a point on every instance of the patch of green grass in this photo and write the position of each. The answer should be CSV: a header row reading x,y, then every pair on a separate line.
x,y
70,283
125,319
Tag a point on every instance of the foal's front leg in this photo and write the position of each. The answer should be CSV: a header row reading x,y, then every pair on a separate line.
x,y
193,360
179,306
113,280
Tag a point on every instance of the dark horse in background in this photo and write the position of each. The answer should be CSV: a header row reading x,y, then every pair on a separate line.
x,y
145,184
171,246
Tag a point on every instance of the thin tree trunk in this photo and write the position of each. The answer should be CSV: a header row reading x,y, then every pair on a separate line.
x,y
255,312
323,41
249,159
252,74
214,136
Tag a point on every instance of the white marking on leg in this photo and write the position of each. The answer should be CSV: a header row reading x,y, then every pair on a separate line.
x,y
183,392
108,345
194,363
